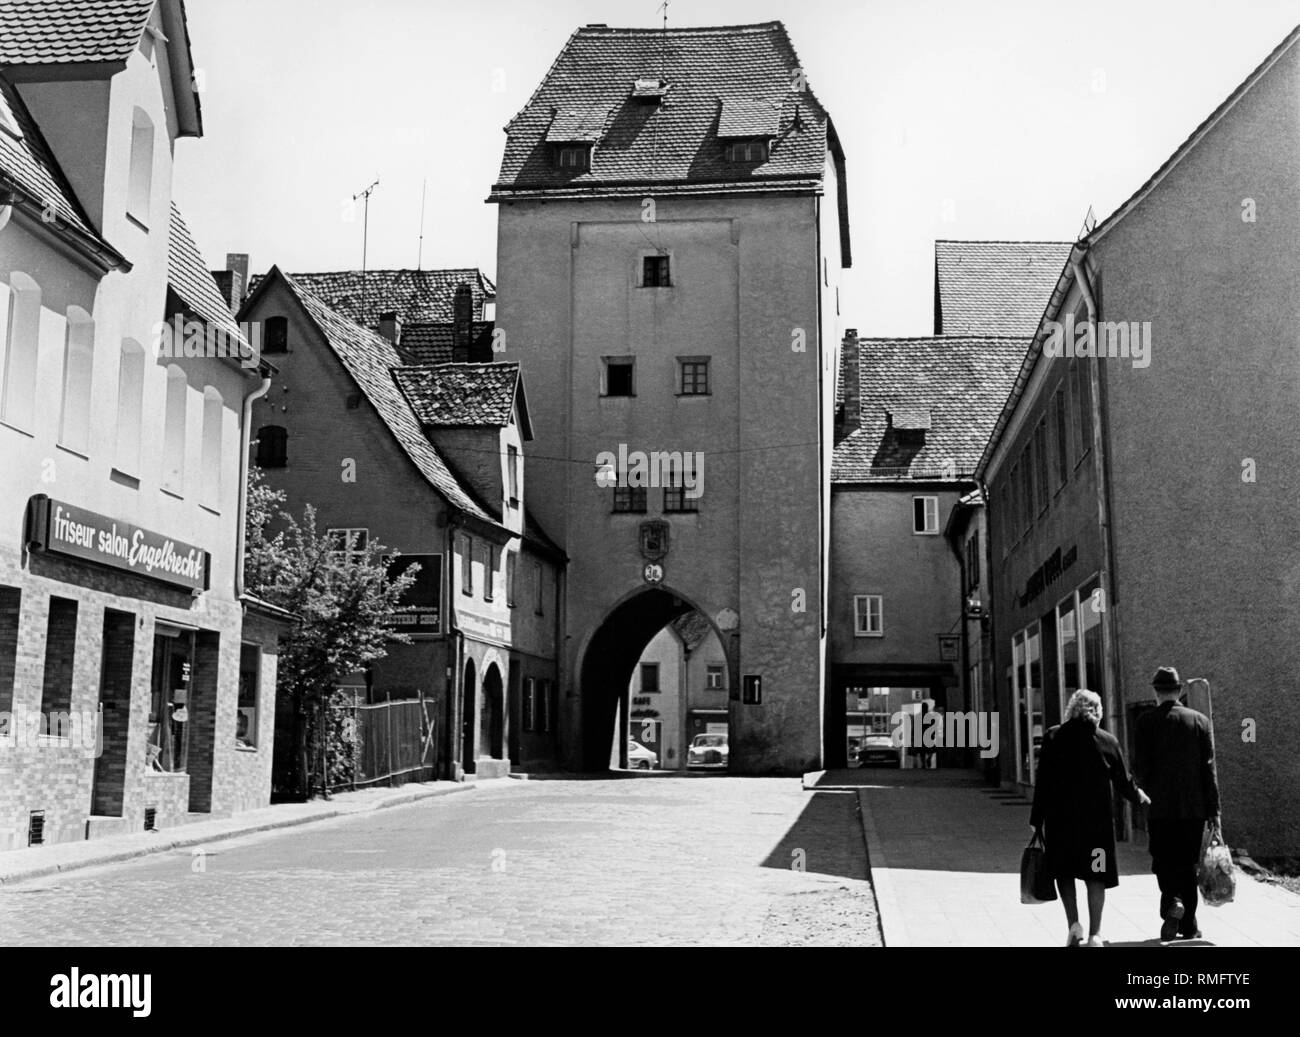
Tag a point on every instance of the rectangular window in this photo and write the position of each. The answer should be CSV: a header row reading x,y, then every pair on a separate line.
x,y
574,157
1040,456
512,474
140,180
713,678
348,546
78,361
868,615
693,376
214,423
925,515
545,704
10,609
467,565
747,151
1083,404
1013,519
1062,437
619,377
1027,488
530,704
60,654
630,500
276,331
539,589
649,678
655,272
492,560
250,684
1004,519
175,424
512,564
676,502
973,561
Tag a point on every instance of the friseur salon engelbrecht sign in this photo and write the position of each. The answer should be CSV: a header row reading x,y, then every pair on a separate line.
x,y
61,528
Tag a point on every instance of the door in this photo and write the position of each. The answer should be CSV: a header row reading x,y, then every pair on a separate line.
x,y
169,703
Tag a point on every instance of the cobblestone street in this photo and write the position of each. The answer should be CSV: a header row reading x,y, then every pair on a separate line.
x,y
661,861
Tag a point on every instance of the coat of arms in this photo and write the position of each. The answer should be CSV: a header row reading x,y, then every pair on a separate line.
x,y
654,540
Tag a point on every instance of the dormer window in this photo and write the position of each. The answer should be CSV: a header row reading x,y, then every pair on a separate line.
x,y
574,157
649,90
747,151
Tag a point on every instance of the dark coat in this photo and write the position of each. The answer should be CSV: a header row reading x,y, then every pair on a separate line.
x,y
1174,763
1077,767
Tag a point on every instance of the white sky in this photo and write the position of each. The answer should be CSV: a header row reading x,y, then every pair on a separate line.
x,y
1014,116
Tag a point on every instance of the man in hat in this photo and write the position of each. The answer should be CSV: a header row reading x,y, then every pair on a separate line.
x,y
1174,763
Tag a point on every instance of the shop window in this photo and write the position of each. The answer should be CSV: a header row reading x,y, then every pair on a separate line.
x,y
140,186
649,678
868,615
78,362
168,741
21,343
250,684
618,376
925,516
175,419
272,447
713,678
1027,691
276,336
130,408
10,609
214,418
60,657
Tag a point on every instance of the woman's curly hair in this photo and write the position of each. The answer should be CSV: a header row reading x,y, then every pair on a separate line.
x,y
1084,703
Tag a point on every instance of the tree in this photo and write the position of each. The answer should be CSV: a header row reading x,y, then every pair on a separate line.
x,y
344,598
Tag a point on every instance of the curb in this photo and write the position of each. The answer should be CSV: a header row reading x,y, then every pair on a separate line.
x,y
181,841
893,928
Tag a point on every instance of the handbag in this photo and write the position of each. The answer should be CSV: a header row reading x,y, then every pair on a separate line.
x,y
1036,884
1214,871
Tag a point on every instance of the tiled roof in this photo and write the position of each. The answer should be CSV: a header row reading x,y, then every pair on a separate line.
x,y
370,359
28,166
419,296
962,382
190,278
461,395
47,32
995,287
744,76
425,344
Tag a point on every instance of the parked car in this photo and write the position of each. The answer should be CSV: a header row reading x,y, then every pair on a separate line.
x,y
639,757
877,750
707,751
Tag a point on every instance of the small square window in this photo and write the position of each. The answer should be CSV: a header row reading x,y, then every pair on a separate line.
x,y
713,678
693,376
925,515
868,615
630,500
677,502
747,151
649,678
348,545
574,157
619,380
655,272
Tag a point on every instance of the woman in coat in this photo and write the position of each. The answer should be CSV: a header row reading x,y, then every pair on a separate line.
x,y
1077,766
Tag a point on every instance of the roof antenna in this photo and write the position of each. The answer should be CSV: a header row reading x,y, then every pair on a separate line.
x,y
424,194
1089,223
365,238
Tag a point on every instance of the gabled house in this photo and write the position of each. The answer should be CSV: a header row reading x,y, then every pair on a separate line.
x,y
914,417
133,667
428,461
1142,469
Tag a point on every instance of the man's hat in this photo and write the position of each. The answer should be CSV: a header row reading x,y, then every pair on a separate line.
x,y
1166,679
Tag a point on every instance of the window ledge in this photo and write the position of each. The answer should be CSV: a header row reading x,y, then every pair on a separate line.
x,y
19,429
856,634
694,395
622,396
171,493
210,509
70,450
246,749
137,221
126,478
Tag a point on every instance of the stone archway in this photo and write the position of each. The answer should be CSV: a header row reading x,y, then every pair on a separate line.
x,y
611,655
492,715
468,702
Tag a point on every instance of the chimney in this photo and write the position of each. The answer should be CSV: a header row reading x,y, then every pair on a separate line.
x,y
237,265
850,364
462,328
390,326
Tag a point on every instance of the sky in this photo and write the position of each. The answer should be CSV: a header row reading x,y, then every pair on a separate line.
x,y
1002,119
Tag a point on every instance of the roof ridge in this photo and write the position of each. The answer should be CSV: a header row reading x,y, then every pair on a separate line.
x,y
1000,241
679,30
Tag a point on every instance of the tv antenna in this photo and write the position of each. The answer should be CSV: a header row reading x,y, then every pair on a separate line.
x,y
424,194
365,235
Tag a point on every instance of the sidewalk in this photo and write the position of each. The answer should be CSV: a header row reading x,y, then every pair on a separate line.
x,y
39,861
945,859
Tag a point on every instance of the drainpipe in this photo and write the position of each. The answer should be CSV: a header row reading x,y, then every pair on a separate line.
x,y
1110,621
245,437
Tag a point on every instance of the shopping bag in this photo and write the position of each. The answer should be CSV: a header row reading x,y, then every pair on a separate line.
x,y
1214,871
1036,885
